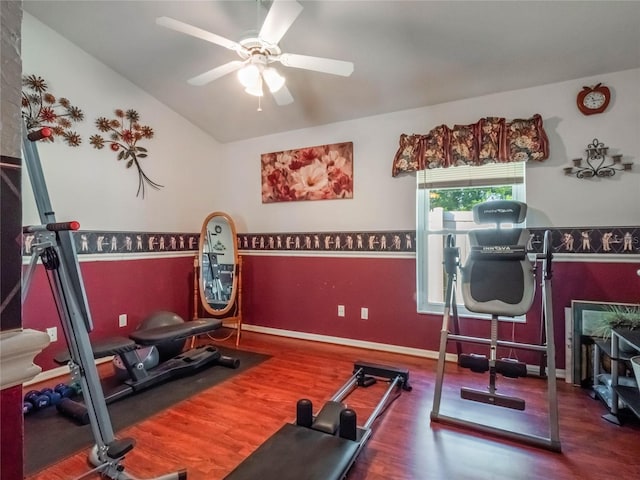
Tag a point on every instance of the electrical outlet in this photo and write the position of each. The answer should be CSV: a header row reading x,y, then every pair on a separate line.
x,y
364,313
53,333
122,320
341,310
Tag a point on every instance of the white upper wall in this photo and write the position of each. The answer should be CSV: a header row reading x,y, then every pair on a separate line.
x,y
201,176
381,202
90,185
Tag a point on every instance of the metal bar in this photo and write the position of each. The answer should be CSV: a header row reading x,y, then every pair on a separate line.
x,y
346,388
28,276
535,440
451,268
381,403
552,394
45,210
500,343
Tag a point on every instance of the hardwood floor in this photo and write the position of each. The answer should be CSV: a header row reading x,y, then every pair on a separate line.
x,y
211,433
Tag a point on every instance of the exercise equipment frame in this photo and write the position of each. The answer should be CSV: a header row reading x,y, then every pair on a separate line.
x,y
324,446
56,247
546,348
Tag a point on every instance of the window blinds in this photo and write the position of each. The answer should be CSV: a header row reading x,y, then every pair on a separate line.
x,y
511,173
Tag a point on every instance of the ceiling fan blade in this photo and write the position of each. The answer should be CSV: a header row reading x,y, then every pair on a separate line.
x,y
326,65
215,73
281,16
282,96
198,33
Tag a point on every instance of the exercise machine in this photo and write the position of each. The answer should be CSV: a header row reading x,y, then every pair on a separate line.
x,y
127,352
499,279
322,446
57,251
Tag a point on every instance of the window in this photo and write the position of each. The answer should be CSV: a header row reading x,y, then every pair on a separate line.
x,y
445,198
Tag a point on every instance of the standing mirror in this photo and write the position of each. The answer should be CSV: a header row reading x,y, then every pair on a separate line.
x,y
219,272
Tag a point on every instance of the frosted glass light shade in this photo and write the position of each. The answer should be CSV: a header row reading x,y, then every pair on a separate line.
x,y
255,90
249,76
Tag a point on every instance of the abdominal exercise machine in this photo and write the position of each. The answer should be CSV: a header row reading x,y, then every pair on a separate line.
x,y
55,246
498,279
139,377
324,446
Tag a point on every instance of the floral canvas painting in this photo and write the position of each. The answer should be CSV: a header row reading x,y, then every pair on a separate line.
x,y
314,173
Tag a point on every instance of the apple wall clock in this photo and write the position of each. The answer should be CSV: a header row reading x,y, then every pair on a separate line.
x,y
594,99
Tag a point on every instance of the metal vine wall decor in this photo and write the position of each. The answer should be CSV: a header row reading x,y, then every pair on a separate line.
x,y
123,134
41,108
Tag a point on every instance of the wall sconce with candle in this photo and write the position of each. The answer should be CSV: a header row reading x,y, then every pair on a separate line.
x,y
596,159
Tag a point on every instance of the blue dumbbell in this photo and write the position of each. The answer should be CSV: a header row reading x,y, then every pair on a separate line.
x,y
37,399
64,390
54,397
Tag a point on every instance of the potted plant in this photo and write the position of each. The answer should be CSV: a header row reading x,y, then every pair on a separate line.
x,y
617,317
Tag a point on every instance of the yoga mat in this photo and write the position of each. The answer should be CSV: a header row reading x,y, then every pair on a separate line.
x,y
50,437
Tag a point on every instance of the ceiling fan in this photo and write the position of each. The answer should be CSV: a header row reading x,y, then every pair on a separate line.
x,y
257,53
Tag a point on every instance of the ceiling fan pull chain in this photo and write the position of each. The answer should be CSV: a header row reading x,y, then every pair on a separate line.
x,y
259,104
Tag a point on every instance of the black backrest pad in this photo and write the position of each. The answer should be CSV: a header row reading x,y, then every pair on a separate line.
x,y
500,211
498,277
490,278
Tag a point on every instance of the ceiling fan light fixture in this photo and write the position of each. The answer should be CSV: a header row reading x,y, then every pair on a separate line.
x,y
249,75
273,79
256,89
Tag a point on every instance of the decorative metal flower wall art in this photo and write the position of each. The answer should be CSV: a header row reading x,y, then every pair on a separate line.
x,y
41,108
123,134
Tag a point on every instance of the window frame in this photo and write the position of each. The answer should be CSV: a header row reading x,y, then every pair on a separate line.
x,y
425,255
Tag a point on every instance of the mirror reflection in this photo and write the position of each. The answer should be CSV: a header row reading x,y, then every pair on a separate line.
x,y
218,264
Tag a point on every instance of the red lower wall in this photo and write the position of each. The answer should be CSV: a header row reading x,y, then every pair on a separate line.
x,y
11,433
302,294
135,287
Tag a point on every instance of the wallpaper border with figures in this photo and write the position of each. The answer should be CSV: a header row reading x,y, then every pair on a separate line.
x,y
574,240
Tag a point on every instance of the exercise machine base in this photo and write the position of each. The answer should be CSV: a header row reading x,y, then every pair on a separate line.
x,y
492,398
312,450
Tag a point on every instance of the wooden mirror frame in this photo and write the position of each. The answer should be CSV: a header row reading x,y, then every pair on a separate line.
x,y
232,309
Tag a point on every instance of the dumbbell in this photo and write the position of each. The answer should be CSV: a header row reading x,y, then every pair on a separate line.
x,y
54,397
27,407
36,399
65,390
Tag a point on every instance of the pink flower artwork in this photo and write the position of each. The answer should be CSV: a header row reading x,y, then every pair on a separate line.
x,y
324,172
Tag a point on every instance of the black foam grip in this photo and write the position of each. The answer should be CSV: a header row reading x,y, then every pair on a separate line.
x,y
511,368
74,410
229,362
304,413
39,134
476,363
348,424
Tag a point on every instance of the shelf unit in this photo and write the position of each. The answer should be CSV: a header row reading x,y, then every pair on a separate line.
x,y
630,396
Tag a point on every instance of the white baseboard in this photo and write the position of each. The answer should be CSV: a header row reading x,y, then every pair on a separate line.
x,y
383,347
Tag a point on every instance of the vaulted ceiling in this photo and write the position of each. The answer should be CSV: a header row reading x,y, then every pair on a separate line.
x,y
407,54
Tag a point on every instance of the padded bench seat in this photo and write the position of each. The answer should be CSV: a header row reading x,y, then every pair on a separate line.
x,y
170,333
150,336
298,453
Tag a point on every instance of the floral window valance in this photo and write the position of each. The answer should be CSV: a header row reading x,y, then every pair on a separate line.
x,y
490,140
